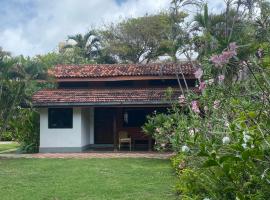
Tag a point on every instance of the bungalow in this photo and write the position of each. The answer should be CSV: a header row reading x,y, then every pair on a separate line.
x,y
101,106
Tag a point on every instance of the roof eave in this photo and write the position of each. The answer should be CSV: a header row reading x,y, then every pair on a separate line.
x,y
105,104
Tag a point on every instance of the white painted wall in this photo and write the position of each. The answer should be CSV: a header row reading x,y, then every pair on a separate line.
x,y
85,124
80,135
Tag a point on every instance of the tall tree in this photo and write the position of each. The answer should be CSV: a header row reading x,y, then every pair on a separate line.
x,y
139,39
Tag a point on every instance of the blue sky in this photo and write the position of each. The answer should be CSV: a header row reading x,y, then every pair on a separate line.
x,y
32,27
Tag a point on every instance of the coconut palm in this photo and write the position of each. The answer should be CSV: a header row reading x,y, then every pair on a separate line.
x,y
87,45
209,25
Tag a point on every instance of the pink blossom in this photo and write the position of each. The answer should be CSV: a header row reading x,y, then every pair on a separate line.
x,y
221,77
202,86
198,74
181,99
195,106
225,56
217,60
216,104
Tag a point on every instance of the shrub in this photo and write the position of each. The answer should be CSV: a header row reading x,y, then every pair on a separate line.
x,y
7,136
221,136
26,130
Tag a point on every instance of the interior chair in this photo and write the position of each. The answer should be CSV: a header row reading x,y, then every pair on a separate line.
x,y
124,139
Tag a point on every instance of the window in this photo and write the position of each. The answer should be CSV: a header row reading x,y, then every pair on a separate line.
x,y
60,117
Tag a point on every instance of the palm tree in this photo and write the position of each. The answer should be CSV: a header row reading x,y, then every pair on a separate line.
x,y
87,45
209,25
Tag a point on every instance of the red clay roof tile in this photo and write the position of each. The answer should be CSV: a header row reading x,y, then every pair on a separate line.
x,y
116,70
50,97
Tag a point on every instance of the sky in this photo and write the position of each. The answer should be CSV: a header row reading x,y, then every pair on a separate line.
x,y
33,27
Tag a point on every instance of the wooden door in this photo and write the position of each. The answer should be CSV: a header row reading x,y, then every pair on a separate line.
x,y
104,126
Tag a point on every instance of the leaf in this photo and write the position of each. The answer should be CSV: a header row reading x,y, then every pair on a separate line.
x,y
245,155
210,163
202,153
228,157
252,114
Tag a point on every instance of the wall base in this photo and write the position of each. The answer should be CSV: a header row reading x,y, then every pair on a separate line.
x,y
60,149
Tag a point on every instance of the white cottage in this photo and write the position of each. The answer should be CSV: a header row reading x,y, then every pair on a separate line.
x,y
103,106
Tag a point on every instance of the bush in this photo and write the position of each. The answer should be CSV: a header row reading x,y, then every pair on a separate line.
x,y
221,136
7,136
26,130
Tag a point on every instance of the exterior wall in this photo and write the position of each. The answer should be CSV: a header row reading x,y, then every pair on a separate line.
x,y
67,140
85,124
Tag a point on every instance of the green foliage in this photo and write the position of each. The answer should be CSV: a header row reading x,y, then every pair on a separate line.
x,y
143,38
26,130
222,146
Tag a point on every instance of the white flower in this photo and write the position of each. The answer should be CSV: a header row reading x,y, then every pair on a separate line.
x,y
246,137
163,145
210,81
206,198
191,132
227,124
185,148
181,99
226,140
244,145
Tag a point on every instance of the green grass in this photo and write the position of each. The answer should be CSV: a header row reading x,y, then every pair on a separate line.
x,y
8,147
94,179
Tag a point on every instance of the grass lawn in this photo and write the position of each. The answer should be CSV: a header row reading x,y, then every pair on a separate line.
x,y
6,147
91,179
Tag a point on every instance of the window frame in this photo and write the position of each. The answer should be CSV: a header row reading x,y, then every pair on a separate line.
x,y
60,127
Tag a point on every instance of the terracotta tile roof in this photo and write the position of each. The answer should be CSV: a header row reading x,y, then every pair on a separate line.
x,y
116,70
48,97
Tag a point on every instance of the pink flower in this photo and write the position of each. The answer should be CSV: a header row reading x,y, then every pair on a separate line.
x,y
216,60
216,104
221,78
202,86
195,106
198,74
182,99
225,56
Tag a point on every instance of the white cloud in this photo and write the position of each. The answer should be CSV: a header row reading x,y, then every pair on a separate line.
x,y
57,19
52,21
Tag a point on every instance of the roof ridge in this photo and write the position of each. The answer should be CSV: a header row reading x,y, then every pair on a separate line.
x,y
113,70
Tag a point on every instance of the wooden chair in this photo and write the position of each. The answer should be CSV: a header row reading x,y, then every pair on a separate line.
x,y
123,139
